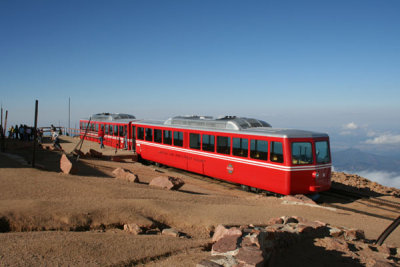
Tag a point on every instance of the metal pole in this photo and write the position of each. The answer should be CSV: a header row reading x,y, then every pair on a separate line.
x,y
35,134
5,123
69,115
1,117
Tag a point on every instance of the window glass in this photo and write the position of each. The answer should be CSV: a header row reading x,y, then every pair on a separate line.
x,y
259,149
140,133
167,137
97,127
302,153
208,142
115,129
223,145
276,152
322,152
149,134
240,147
121,131
178,138
194,141
157,135
110,129
105,129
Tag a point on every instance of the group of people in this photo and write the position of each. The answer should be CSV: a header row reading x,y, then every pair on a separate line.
x,y
24,133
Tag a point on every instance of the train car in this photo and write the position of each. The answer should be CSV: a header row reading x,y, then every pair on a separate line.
x,y
241,150
116,127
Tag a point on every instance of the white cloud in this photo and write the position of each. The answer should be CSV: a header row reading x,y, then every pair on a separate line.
x,y
384,139
350,126
389,179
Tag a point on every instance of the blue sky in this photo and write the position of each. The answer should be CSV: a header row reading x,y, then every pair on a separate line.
x,y
317,65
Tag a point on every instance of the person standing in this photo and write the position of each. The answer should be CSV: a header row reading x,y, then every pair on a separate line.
x,y
101,136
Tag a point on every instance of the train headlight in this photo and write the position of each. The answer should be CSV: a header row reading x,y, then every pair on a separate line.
x,y
315,174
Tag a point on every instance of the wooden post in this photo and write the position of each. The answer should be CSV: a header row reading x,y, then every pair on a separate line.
x,y
5,123
35,134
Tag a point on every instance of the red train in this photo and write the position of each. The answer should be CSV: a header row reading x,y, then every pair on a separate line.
x,y
241,150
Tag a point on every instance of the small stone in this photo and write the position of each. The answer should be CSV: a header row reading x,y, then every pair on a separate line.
x,y
170,232
335,232
95,154
132,228
122,174
219,232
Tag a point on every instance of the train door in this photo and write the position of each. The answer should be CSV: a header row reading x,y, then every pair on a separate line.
x,y
133,138
115,138
194,160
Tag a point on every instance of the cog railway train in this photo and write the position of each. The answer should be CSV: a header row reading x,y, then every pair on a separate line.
x,y
240,150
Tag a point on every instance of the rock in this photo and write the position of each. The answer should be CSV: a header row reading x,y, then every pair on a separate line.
x,y
132,228
354,234
250,256
167,182
335,244
208,263
170,232
67,166
224,260
95,154
303,228
335,232
275,221
219,232
79,153
122,174
299,199
227,245
289,219
384,249
251,240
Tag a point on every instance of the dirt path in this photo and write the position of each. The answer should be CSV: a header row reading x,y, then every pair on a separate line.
x,y
58,219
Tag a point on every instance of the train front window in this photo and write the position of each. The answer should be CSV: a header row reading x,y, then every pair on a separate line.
x,y
167,137
259,149
178,138
302,153
140,133
276,152
322,152
240,147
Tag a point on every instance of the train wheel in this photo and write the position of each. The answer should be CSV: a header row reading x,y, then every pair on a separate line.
x,y
244,187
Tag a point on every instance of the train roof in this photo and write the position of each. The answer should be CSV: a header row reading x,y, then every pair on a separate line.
x,y
231,124
112,117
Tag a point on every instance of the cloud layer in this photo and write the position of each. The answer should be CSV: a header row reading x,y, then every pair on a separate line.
x,y
384,139
384,178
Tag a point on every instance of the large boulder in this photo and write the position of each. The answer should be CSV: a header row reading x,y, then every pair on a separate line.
x,y
126,175
167,182
67,166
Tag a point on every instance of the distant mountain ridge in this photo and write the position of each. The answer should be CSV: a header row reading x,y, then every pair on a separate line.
x,y
355,160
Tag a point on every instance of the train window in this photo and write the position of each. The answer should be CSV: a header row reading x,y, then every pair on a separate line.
x,y
115,129
259,149
322,152
97,127
302,153
208,142
110,129
194,141
157,135
178,138
167,137
133,132
121,131
276,152
149,134
223,145
105,129
140,133
240,147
